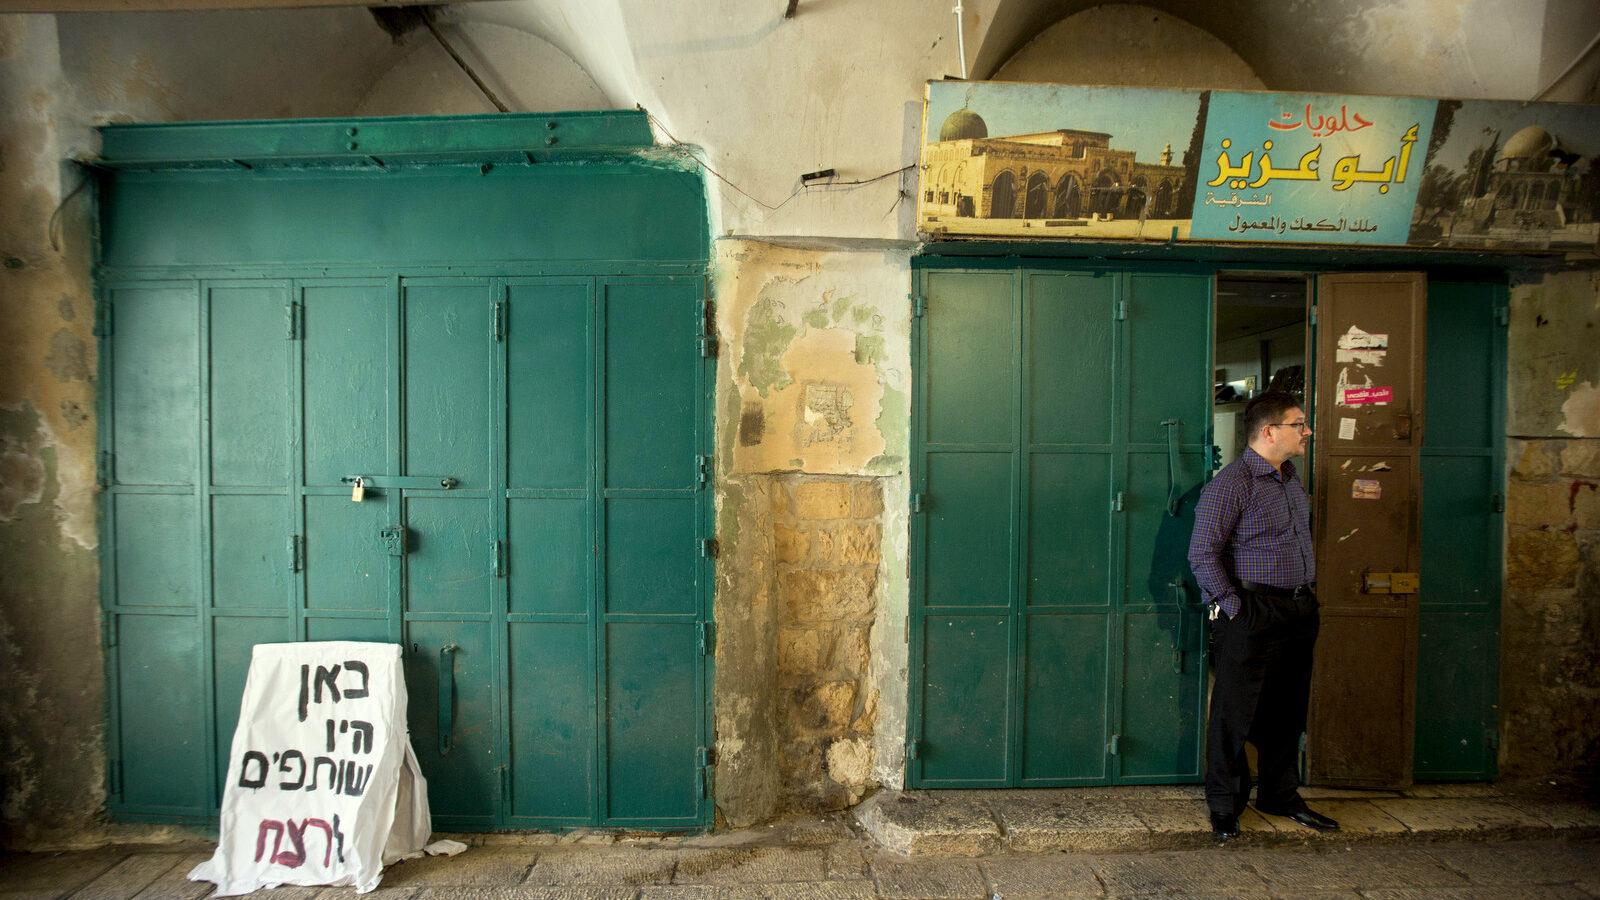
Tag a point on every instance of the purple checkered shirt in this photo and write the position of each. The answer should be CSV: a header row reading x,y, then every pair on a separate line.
x,y
1252,524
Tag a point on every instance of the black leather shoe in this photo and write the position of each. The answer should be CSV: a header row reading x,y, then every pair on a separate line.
x,y
1304,816
1224,828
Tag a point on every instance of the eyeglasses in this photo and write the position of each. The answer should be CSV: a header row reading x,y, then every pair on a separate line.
x,y
1301,427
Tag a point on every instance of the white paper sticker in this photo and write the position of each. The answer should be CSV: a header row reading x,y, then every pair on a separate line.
x,y
1347,429
1357,346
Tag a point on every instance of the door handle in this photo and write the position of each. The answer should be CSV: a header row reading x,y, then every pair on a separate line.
x,y
1173,494
447,696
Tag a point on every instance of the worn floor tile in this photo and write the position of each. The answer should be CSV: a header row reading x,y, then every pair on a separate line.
x,y
1069,823
1331,868
1449,817
751,864
129,877
528,892
1543,862
1481,892
1174,823
1560,814
1182,872
1044,875
54,874
480,866
1358,819
846,861
615,865
919,823
857,889
175,883
928,879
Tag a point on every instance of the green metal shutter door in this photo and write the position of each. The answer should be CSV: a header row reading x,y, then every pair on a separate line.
x,y
1459,605
1042,654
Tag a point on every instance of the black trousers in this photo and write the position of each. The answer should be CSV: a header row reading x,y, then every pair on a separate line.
x,y
1261,661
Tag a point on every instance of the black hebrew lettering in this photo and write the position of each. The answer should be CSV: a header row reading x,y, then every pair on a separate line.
x,y
305,691
316,768
354,778
295,858
245,781
283,766
356,665
261,838
338,836
331,745
329,677
361,737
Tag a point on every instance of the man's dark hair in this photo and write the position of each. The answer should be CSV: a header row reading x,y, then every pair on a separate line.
x,y
1267,408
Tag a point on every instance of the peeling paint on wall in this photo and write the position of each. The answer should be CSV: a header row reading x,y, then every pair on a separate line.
x,y
1553,356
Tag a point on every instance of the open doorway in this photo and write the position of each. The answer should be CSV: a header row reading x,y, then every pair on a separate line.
x,y
1260,345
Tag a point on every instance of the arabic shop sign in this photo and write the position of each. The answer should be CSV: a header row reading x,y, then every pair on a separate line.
x,y
1293,167
1106,163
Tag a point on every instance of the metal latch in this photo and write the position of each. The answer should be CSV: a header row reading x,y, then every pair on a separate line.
x,y
1390,582
394,540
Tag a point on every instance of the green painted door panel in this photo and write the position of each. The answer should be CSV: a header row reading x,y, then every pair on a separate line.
x,y
345,628
970,352
1064,699
651,383
458,750
1457,706
347,561
1163,697
965,700
161,715
652,776
1169,348
347,379
155,388
1069,529
647,571
448,343
448,553
549,383
250,386
248,551
969,530
553,725
551,555
156,544
1071,321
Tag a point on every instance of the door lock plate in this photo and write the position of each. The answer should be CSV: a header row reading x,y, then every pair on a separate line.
x,y
1390,583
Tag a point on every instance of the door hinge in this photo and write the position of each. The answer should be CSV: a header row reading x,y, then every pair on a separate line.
x,y
1122,310
706,639
394,540
102,319
499,320
1498,501
919,502
297,552
919,305
104,468
702,470
1216,457
1118,501
708,329
1502,315
505,784
705,761
907,624
1115,747
497,558
114,777
911,751
1312,318
108,628
292,320
709,548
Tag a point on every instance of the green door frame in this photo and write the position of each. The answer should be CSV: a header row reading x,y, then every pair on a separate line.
x,y
1471,286
666,244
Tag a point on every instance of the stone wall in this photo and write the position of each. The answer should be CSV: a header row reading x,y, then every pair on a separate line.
x,y
1550,620
827,537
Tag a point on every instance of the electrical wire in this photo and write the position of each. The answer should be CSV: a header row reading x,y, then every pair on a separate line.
x,y
427,20
688,151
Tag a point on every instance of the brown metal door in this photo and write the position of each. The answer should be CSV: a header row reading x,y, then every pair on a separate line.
x,y
1368,414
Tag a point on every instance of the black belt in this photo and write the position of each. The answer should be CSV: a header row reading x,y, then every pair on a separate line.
x,y
1269,590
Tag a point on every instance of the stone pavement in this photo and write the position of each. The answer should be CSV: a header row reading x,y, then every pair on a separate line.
x,y
1478,845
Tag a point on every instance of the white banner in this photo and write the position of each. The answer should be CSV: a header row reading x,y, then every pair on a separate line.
x,y
323,787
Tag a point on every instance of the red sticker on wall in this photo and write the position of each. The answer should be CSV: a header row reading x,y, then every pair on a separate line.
x,y
1365,396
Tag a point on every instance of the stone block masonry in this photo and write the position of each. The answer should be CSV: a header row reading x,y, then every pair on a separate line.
x,y
827,534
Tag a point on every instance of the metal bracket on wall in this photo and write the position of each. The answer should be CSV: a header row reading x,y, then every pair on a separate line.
x,y
394,540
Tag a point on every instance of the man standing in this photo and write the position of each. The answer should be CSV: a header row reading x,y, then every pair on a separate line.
x,y
1252,556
